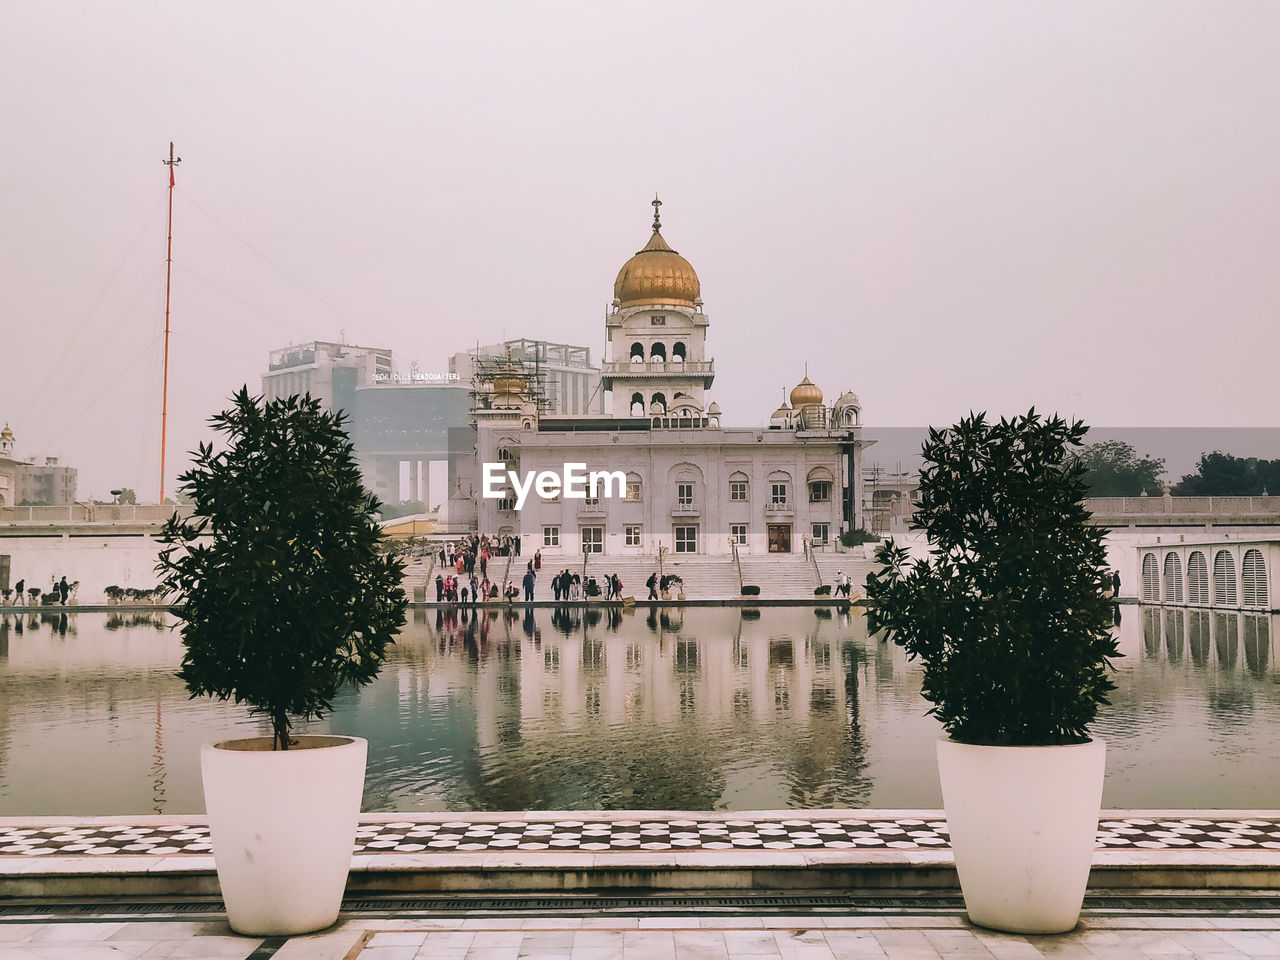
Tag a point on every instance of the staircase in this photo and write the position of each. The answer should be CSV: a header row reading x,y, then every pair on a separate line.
x,y
780,576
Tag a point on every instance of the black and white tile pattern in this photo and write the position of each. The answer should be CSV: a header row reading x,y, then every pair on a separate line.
x,y
798,833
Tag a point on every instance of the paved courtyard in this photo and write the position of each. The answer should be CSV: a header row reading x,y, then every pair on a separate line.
x,y
658,938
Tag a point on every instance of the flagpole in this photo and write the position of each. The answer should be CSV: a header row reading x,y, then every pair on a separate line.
x,y
168,275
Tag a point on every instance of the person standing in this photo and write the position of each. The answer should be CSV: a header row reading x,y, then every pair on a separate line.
x,y
63,590
439,588
652,584
537,559
19,587
1115,583
529,579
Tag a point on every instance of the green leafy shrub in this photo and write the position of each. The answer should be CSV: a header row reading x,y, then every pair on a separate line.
x,y
750,590
852,538
1009,613
285,592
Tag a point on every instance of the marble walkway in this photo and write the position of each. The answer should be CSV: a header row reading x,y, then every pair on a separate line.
x,y
658,938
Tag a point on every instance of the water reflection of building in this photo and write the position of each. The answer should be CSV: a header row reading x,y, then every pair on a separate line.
x,y
626,718
1224,641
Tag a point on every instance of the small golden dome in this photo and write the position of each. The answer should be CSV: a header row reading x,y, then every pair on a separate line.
x,y
509,383
6,433
804,393
657,275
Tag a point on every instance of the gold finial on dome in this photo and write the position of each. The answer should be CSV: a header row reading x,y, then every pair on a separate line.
x,y
657,275
6,433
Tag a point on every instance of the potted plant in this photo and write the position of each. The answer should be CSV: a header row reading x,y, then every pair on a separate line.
x,y
285,597
113,593
1010,619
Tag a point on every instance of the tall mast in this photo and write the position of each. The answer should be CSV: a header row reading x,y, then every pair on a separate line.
x,y
168,275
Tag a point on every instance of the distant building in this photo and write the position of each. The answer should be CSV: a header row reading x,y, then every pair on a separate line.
x,y
403,423
27,483
330,372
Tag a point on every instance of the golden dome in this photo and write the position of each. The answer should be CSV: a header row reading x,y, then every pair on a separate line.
x,y
657,274
6,433
509,383
804,393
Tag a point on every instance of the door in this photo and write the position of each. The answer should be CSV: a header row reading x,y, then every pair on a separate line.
x,y
779,538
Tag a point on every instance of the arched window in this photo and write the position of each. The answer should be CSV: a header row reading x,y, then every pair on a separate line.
x,y
1254,579
635,488
1150,579
1197,578
657,351
1172,578
658,405
637,404
677,352
637,353
1224,579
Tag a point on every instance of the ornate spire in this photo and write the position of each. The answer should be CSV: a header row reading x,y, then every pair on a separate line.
x,y
657,221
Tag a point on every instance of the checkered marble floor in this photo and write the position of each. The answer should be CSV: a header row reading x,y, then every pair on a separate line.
x,y
798,833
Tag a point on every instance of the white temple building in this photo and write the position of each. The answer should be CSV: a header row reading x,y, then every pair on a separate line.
x,y
692,485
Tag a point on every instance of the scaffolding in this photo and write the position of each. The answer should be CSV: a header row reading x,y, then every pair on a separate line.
x,y
489,372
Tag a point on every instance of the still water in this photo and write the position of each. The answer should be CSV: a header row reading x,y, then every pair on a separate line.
x,y
700,709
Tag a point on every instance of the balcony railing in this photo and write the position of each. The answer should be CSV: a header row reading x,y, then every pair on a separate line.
x,y
587,509
685,508
657,368
783,509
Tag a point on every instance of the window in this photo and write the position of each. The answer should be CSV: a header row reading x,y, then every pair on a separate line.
x,y
737,490
686,539
821,533
778,493
1254,579
505,454
590,501
658,321
1197,578
633,490
1224,579
632,534
551,536
593,539
738,532
507,503
819,491
1172,579
684,494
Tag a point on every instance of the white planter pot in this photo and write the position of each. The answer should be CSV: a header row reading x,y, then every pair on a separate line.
x,y
283,825
1023,823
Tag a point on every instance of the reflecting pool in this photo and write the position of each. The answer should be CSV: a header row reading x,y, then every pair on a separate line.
x,y
706,708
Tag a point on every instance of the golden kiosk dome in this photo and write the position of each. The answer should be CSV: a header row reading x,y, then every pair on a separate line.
x,y
805,393
657,274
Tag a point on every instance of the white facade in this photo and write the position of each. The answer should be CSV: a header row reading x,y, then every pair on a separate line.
x,y
691,484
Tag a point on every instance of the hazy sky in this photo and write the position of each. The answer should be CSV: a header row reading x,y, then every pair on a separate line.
x,y
941,206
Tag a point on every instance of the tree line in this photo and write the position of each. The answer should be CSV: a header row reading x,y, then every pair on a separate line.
x,y
1117,470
